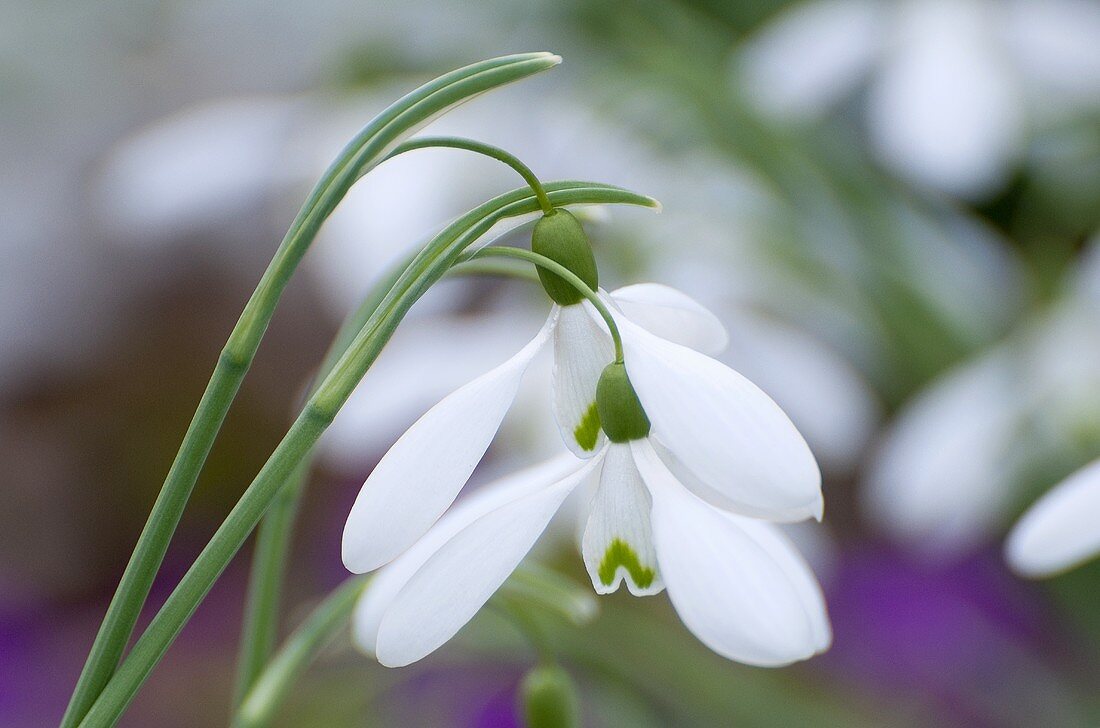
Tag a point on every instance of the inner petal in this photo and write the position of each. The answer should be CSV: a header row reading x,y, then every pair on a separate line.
x,y
581,351
618,541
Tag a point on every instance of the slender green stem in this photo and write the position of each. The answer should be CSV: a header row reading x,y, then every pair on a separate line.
x,y
488,150
554,267
260,626
359,156
426,268
274,683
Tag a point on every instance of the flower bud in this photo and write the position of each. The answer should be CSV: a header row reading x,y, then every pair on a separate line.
x,y
621,414
549,698
560,237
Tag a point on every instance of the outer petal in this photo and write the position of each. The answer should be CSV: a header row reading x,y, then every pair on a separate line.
x,y
672,315
1059,531
618,541
582,349
726,431
797,571
391,579
461,563
812,55
743,591
420,476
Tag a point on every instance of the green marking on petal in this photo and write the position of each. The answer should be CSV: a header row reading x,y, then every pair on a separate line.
x,y
589,428
619,553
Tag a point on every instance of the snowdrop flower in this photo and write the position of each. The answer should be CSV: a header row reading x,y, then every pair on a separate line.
x,y
958,83
1059,531
662,511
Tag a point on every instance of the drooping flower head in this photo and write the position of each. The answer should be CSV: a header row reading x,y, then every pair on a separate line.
x,y
681,458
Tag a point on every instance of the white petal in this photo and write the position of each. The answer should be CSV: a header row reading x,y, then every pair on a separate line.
x,y
459,576
812,55
672,315
582,349
420,476
744,592
1060,530
797,571
424,362
944,110
392,578
941,477
730,434
618,542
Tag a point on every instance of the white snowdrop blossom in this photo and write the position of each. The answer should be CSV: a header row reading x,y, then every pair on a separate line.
x,y
690,458
957,84
1059,531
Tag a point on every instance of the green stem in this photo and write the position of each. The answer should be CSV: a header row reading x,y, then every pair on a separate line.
x,y
488,150
427,267
360,155
554,267
260,626
275,681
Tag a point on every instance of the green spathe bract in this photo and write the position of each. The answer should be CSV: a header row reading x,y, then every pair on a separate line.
x,y
619,553
621,414
560,237
549,698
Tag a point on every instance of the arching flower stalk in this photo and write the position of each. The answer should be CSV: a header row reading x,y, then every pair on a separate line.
x,y
685,462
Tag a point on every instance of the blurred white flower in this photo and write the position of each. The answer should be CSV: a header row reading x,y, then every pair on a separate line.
x,y
1059,531
949,468
957,85
198,169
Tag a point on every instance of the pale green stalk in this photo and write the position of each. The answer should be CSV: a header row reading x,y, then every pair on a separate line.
x,y
428,266
366,150
275,681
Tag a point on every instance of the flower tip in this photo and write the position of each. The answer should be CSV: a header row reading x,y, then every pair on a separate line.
x,y
1020,556
655,205
552,58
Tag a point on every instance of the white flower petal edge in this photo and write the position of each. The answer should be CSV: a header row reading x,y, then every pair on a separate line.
x,y
618,541
724,429
673,315
742,592
409,490
425,597
582,348
1059,531
386,584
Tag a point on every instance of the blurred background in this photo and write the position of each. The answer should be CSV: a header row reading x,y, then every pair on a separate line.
x,y
891,204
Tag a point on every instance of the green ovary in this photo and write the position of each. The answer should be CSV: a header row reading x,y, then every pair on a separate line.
x,y
619,553
589,428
